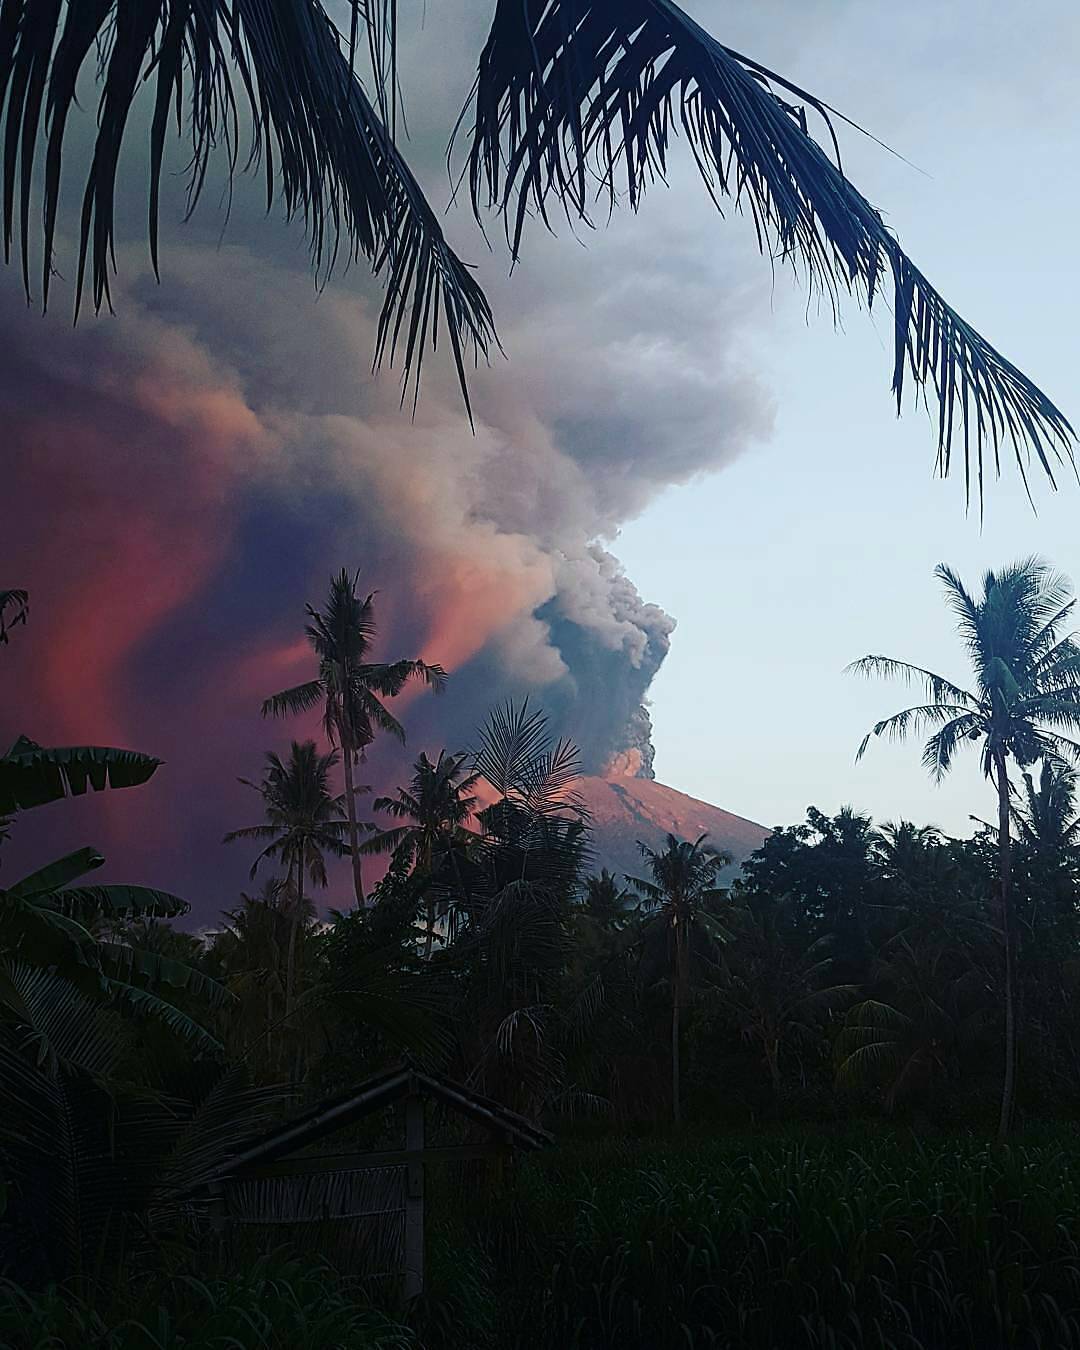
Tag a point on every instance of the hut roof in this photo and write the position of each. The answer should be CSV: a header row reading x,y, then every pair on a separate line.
x,y
382,1090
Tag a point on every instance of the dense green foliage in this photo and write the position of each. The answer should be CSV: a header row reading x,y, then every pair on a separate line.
x,y
852,973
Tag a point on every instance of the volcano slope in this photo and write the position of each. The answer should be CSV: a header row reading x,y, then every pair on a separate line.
x,y
625,810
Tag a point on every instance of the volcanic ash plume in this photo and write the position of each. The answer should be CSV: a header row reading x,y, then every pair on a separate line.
x,y
182,478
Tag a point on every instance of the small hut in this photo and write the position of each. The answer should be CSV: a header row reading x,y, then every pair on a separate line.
x,y
275,1179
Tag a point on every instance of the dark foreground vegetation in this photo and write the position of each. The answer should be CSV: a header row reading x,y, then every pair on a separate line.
x,y
832,1104
810,1239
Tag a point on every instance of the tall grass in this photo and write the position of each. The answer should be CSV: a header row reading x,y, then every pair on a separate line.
x,y
841,1243
271,1304
864,1241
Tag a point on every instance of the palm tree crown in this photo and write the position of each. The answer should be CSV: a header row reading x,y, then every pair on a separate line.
x,y
436,838
351,687
303,823
436,806
1026,669
1047,821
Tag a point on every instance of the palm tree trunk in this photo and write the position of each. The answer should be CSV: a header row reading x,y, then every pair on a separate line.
x,y
676,1106
294,928
354,833
429,905
676,1009
430,926
1004,866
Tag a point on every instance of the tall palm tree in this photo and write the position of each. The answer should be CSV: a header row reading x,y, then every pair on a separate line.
x,y
437,807
681,898
1026,695
303,823
570,95
350,687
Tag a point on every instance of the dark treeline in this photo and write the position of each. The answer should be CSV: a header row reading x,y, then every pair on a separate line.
x,y
852,972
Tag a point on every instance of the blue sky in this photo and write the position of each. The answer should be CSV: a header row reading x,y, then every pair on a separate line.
x,y
818,545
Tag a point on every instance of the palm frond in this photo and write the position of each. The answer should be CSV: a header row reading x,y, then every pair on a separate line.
x,y
32,775
14,609
277,67
58,1024
300,699
912,721
938,688
570,95
511,743
143,1003
938,753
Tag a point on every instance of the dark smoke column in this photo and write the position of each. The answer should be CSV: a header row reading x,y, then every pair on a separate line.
x,y
612,643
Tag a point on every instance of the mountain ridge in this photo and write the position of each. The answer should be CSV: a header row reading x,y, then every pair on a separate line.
x,y
627,809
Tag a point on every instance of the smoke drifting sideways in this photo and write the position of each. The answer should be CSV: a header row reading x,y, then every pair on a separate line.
x,y
181,478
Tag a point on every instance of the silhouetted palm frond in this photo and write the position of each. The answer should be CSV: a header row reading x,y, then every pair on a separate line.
x,y
14,609
576,102
278,67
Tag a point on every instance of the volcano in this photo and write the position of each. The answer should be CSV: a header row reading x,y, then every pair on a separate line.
x,y
625,810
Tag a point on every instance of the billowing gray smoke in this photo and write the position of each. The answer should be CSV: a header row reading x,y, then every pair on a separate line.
x,y
183,477
612,644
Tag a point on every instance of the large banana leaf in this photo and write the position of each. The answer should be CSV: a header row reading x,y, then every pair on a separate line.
x,y
43,936
135,965
117,902
58,873
31,775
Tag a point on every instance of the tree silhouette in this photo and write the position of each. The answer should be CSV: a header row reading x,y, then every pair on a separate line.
x,y
437,807
350,688
1026,696
681,898
303,823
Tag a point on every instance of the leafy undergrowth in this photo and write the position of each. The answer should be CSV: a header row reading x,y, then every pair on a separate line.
x,y
845,1243
866,1241
274,1304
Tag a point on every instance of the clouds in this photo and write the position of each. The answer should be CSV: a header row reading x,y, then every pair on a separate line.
x,y
188,474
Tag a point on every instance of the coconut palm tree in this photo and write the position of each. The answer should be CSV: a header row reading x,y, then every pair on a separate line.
x,y
437,807
777,992
604,900
303,823
1026,696
927,1024
1047,820
572,98
681,899
1047,829
350,688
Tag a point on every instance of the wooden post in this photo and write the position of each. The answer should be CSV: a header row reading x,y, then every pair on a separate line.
x,y
414,1198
